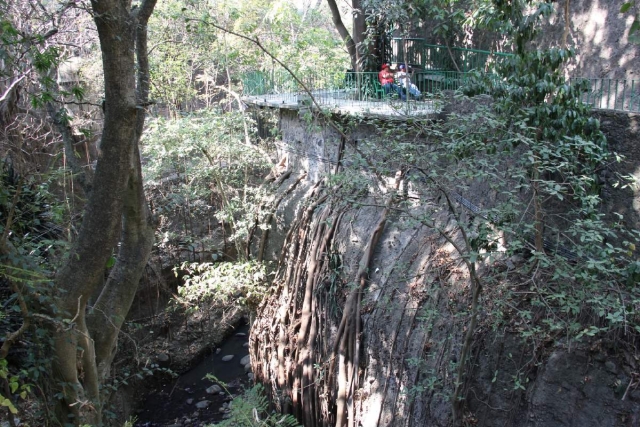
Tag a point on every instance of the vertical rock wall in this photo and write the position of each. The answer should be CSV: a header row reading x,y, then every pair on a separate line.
x,y
623,136
399,368
600,35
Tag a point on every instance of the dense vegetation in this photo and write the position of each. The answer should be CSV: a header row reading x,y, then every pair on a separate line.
x,y
87,197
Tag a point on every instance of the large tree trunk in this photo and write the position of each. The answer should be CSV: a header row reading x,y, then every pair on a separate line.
x,y
344,33
360,33
108,313
116,200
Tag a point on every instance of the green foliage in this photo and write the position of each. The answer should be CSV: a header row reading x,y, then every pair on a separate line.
x,y
559,150
131,422
179,57
37,216
430,381
16,387
448,20
554,128
30,220
535,153
191,60
26,52
210,168
251,409
634,30
243,283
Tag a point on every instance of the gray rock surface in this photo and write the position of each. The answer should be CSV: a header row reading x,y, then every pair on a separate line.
x,y
203,404
214,389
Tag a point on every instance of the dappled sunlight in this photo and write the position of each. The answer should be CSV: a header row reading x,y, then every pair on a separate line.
x,y
595,27
360,225
600,34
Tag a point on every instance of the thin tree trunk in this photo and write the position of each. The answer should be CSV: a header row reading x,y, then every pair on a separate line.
x,y
83,174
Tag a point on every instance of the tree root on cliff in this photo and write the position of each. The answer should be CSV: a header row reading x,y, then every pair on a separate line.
x,y
288,354
457,399
347,345
294,355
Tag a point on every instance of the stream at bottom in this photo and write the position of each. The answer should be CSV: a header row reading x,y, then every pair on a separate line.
x,y
191,400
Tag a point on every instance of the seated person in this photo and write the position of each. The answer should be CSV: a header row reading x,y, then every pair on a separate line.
x,y
385,76
404,80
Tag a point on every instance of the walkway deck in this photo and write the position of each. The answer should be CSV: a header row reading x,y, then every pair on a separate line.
x,y
336,102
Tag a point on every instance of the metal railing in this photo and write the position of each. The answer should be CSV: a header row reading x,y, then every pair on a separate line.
x,y
345,89
348,89
610,94
417,53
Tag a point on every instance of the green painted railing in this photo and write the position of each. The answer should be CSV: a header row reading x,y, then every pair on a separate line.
x,y
351,88
419,54
611,94
344,89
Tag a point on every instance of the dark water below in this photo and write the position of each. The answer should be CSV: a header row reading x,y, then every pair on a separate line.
x,y
170,404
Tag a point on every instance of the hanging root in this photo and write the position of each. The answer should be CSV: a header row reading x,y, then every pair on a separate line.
x,y
347,345
310,319
294,355
457,401
275,357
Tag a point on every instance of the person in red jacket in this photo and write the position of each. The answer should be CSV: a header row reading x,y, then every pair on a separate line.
x,y
386,78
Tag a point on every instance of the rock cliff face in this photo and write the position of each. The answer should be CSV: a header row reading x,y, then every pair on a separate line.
x,y
371,310
596,30
600,35
623,136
